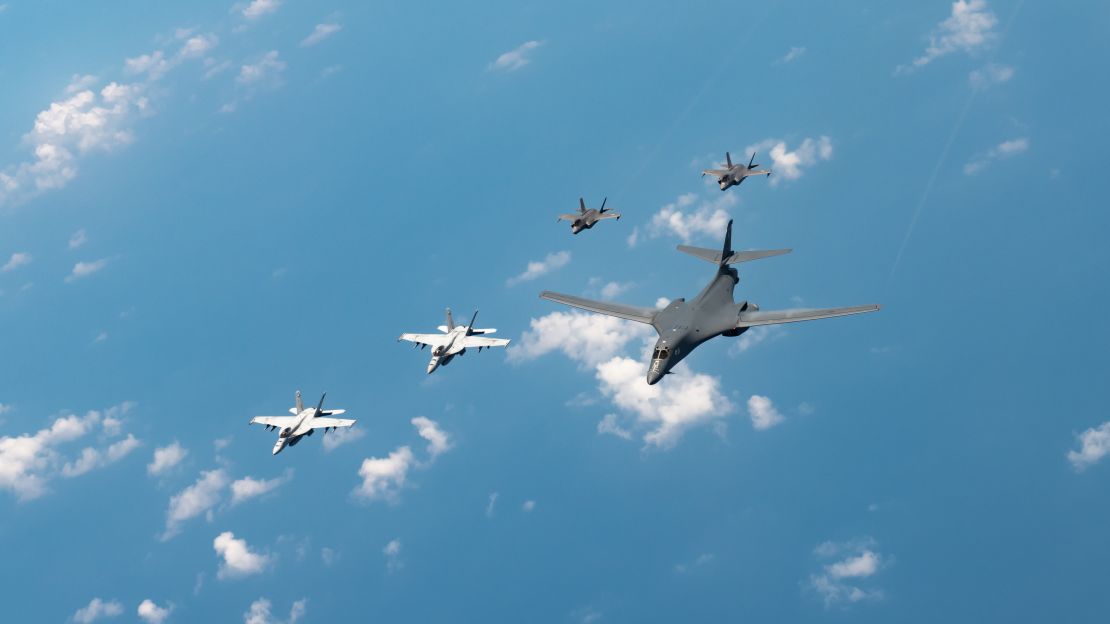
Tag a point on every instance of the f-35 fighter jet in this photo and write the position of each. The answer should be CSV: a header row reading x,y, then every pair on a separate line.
x,y
454,341
585,218
683,326
733,175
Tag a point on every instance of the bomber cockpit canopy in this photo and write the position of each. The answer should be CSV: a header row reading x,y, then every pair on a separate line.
x,y
661,354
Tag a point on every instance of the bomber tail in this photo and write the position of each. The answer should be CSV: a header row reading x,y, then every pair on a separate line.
x,y
726,255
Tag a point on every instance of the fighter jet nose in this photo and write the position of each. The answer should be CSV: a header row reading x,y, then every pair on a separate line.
x,y
277,449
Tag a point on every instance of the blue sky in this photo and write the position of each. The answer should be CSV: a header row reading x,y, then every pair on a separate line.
x,y
206,206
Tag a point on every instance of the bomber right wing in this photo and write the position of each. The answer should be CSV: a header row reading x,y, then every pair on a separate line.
x,y
432,340
631,313
774,317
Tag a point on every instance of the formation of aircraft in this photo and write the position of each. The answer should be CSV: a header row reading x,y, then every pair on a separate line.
x,y
303,422
682,326
733,175
586,218
454,340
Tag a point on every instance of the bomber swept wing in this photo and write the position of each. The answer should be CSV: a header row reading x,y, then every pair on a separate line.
x,y
774,317
631,313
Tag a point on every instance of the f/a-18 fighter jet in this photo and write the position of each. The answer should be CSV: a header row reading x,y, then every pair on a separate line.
x,y
585,218
454,340
733,175
682,325
303,422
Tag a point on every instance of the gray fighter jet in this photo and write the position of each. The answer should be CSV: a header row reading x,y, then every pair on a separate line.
x,y
733,175
683,326
585,218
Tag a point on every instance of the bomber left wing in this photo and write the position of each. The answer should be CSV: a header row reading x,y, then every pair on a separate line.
x,y
432,340
774,317
321,422
479,341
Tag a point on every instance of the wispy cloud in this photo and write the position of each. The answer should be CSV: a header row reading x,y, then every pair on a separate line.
x,y
261,612
383,478
98,609
793,54
763,413
515,59
267,69
85,269
687,218
259,8
17,260
248,487
990,74
1005,149
844,579
392,552
321,32
199,498
969,27
1094,444
78,239
551,262
166,458
791,164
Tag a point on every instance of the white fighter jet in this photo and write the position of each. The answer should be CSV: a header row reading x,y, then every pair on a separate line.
x,y
454,340
303,422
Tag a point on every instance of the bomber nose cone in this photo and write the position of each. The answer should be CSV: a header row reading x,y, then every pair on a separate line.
x,y
654,376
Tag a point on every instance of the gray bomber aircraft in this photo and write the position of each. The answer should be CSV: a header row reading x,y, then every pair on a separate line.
x,y
585,218
683,326
733,175
303,422
454,341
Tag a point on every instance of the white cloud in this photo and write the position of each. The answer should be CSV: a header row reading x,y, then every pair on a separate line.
x,y
17,260
248,487
383,478
201,497
321,32
29,461
298,610
1094,444
529,506
1005,149
588,339
339,437
328,556
763,413
78,239
492,504
702,559
515,59
790,165
165,458
260,612
537,268
753,337
793,54
153,614
268,68
91,458
258,8
608,424
684,400
238,559
844,579
990,74
439,441
969,27
97,610
392,552
85,269
688,217
198,46
607,290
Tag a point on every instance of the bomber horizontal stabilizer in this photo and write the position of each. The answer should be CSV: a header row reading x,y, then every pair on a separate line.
x,y
714,255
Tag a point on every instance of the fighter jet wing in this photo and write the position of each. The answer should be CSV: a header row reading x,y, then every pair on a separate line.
x,y
714,172
274,421
609,215
631,313
432,340
321,422
569,217
772,317
479,341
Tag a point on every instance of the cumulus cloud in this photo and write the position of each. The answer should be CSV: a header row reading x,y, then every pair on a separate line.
x,y
17,260
238,559
588,339
688,217
1094,444
383,477
791,164
793,54
439,441
339,437
85,269
516,58
267,69
258,8
28,462
98,610
199,498
153,614
843,579
969,27
165,458
260,612
248,487
990,74
318,34
763,413
392,552
1005,149
535,269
